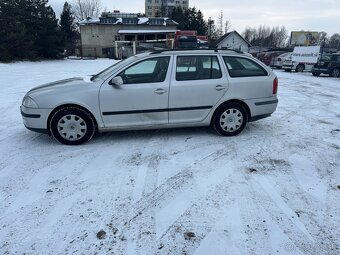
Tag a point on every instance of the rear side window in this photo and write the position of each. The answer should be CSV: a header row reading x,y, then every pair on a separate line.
x,y
197,68
243,67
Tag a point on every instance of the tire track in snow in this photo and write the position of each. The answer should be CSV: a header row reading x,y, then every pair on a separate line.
x,y
141,212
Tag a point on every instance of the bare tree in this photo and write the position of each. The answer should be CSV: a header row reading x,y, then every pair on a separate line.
x,y
86,8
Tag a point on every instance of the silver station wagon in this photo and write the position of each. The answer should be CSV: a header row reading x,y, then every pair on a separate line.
x,y
220,88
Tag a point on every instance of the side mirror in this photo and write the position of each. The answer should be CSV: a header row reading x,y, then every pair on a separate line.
x,y
116,81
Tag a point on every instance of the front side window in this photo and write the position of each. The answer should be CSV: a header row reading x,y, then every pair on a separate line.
x,y
197,68
243,67
147,71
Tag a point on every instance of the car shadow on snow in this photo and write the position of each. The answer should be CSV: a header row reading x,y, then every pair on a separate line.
x,y
141,135
253,129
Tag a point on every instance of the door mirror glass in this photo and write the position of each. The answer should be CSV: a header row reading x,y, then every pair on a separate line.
x,y
117,81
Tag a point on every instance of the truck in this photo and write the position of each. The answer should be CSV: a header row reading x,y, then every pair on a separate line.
x,y
185,39
302,59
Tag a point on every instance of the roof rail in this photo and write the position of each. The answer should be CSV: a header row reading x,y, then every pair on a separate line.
x,y
196,49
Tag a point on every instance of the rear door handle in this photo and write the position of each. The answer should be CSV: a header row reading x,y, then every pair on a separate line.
x,y
220,87
160,91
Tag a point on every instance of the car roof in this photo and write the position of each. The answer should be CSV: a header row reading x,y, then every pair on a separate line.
x,y
198,51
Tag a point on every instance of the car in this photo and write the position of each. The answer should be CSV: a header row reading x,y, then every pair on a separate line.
x,y
329,64
267,57
277,62
224,89
289,65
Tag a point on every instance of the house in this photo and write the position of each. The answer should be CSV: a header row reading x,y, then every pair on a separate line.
x,y
232,40
101,37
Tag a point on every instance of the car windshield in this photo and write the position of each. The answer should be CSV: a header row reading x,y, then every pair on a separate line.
x,y
110,69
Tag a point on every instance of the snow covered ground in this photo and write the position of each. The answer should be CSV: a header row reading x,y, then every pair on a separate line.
x,y
274,189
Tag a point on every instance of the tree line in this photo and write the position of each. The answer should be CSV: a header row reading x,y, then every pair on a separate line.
x,y
30,30
278,37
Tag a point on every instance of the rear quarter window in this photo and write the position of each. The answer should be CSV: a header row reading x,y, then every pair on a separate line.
x,y
243,67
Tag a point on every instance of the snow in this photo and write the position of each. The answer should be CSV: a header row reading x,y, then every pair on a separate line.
x,y
143,20
271,190
145,31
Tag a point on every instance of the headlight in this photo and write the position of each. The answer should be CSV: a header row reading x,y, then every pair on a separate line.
x,y
29,102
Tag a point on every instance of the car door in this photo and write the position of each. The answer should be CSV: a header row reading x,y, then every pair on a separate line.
x,y
197,84
142,99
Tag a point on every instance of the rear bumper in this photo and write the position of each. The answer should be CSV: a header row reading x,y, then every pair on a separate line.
x,y
320,70
262,108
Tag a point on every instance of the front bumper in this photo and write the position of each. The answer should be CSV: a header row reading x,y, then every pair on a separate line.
x,y
320,70
35,119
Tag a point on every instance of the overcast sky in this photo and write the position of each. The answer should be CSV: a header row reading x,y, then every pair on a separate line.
x,y
311,15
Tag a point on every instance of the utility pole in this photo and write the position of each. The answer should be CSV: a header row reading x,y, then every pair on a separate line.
x,y
210,23
220,21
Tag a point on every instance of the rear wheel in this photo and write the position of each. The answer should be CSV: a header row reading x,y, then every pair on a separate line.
x,y
300,68
316,74
230,119
72,126
335,72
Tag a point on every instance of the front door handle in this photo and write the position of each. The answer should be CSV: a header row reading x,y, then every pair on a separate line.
x,y
160,91
220,87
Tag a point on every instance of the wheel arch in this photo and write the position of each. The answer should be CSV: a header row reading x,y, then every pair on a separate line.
x,y
69,105
300,64
246,107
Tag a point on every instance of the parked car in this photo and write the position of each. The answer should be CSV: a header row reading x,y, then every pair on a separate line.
x,y
164,89
277,62
328,65
289,65
267,57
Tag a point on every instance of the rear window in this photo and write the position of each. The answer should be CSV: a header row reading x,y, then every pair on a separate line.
x,y
243,67
197,68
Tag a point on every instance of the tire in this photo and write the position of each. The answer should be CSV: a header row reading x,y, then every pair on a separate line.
x,y
316,74
237,118
335,73
300,68
72,126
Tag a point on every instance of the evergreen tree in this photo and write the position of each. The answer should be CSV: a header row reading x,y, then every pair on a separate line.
x,y
179,16
191,19
68,28
28,30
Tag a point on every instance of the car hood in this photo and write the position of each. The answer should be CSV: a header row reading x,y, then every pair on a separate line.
x,y
67,82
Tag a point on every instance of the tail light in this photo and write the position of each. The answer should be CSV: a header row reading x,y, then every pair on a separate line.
x,y
275,85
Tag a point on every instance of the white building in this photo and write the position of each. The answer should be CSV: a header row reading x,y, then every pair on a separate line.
x,y
154,8
233,40
99,35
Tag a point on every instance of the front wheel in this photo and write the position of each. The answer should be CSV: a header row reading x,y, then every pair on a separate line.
x,y
315,74
335,72
230,119
72,126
